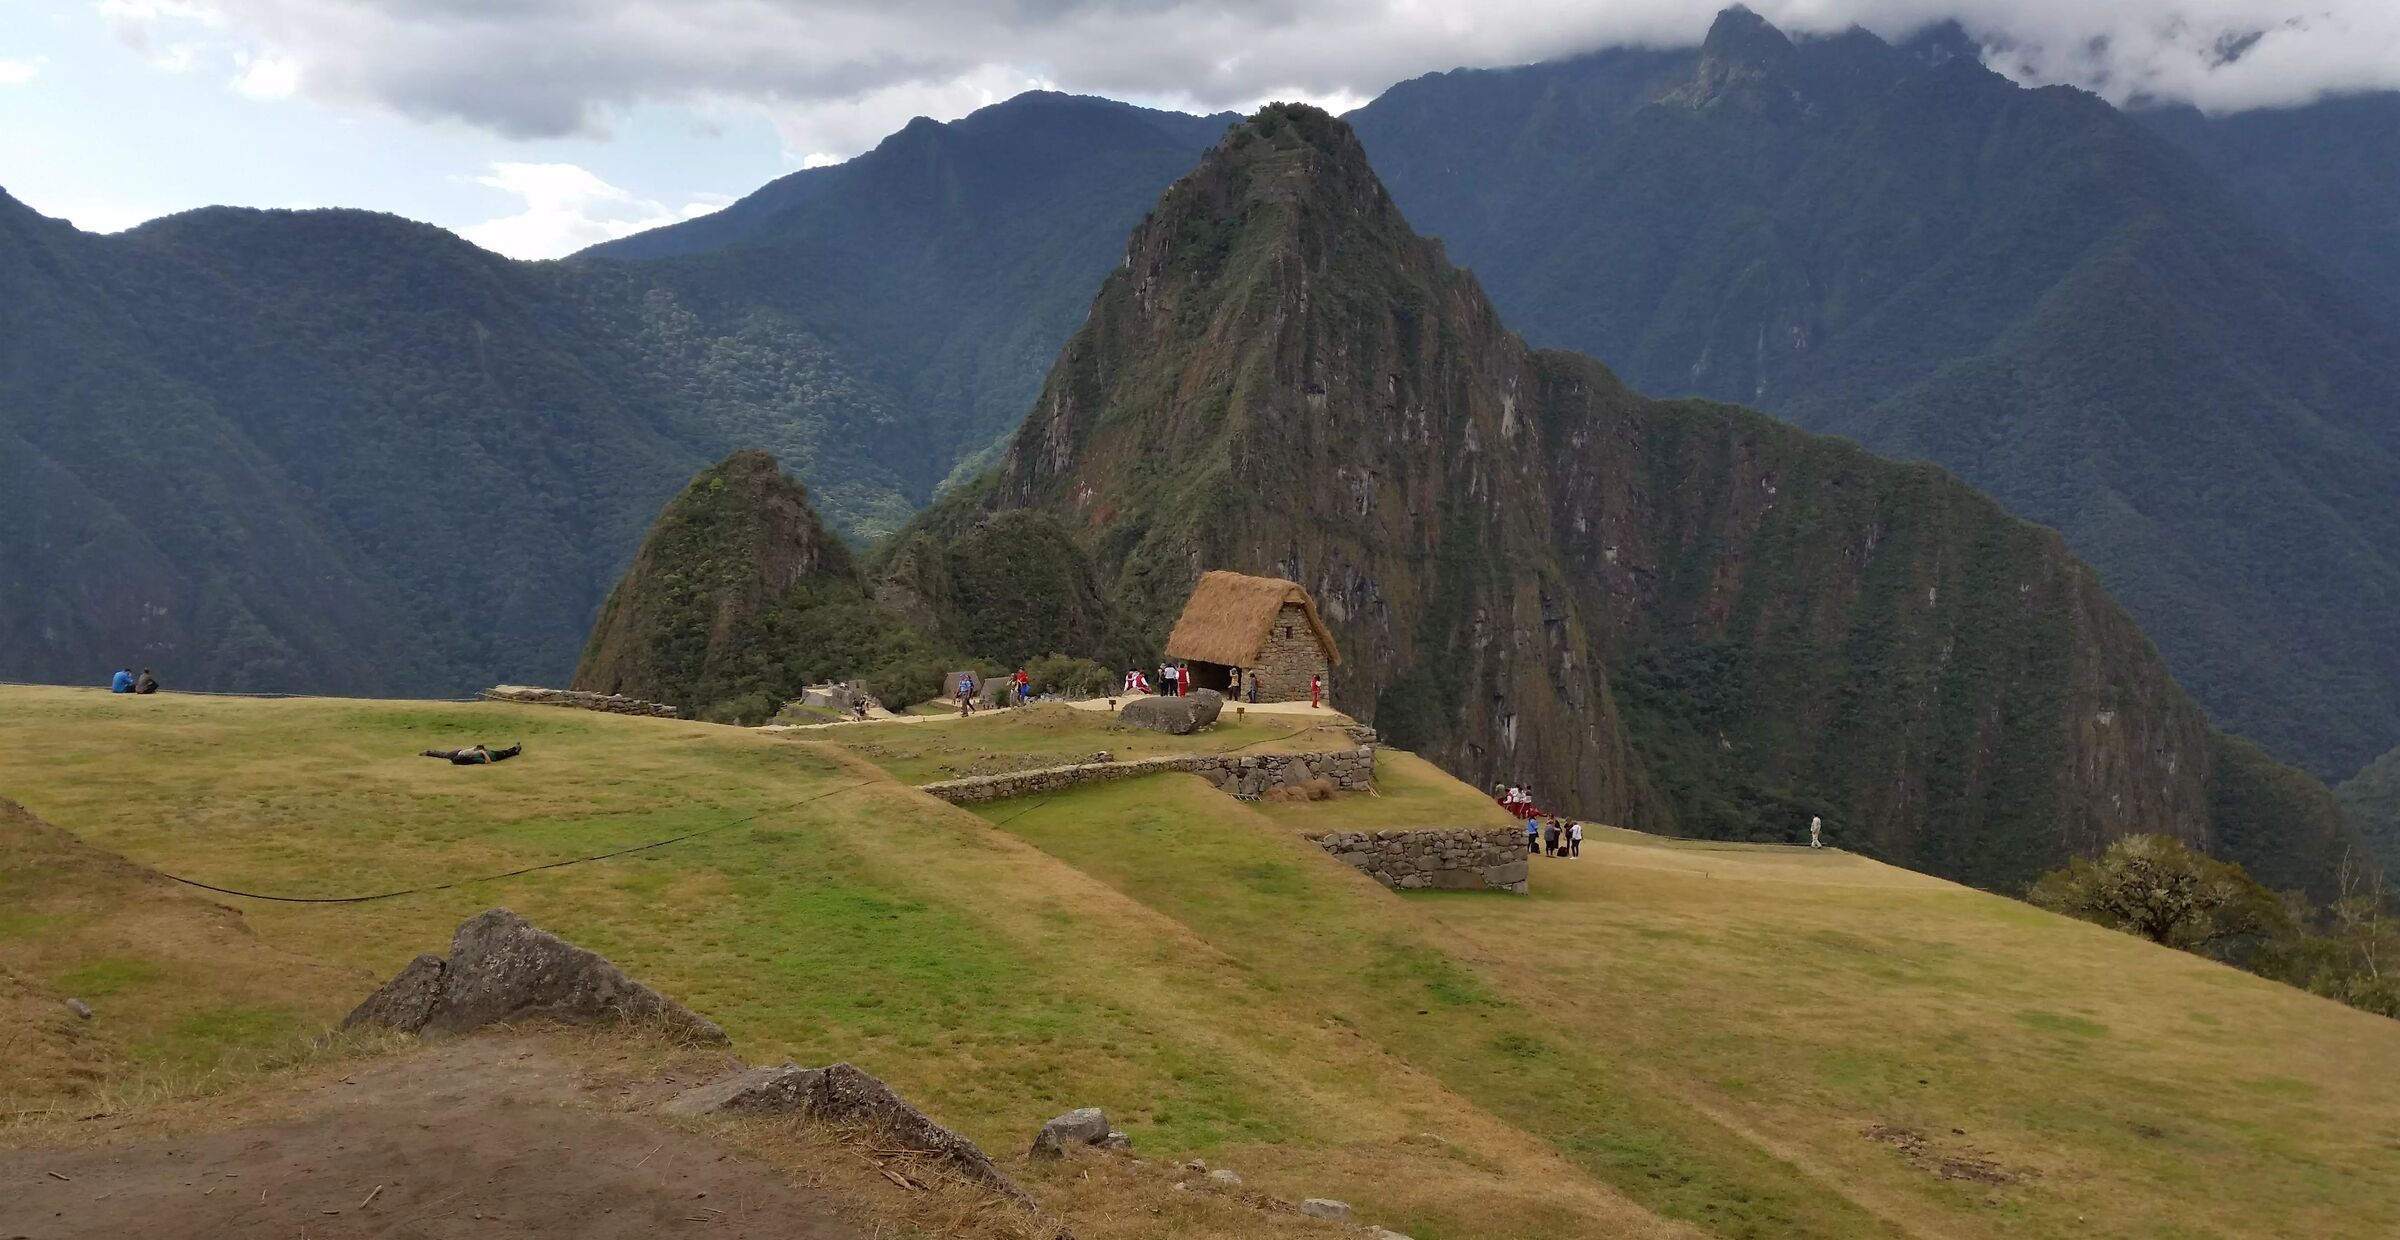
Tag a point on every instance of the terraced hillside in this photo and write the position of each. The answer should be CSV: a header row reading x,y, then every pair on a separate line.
x,y
1662,1039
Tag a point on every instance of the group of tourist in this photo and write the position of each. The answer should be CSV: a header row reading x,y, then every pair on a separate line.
x,y
1550,835
1175,680
126,682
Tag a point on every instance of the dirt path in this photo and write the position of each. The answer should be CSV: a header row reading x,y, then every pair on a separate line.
x,y
490,1138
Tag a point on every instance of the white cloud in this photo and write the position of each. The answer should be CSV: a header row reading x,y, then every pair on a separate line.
x,y
566,207
836,75
19,72
267,77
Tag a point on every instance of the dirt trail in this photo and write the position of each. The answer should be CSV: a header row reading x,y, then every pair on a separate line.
x,y
487,1137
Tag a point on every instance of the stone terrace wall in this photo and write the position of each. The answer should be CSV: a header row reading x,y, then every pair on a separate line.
x,y
1444,859
1243,775
612,703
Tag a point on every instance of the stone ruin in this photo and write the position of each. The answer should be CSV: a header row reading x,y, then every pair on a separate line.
x,y
607,703
1440,859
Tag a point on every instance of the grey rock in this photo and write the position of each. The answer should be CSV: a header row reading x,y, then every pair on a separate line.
x,y
1207,704
844,1094
1226,1176
82,1010
1116,1141
504,969
1296,772
1196,1165
783,1089
1175,716
1326,1207
404,1003
1082,1126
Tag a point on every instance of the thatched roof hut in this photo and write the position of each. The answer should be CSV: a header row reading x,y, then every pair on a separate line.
x,y
1232,617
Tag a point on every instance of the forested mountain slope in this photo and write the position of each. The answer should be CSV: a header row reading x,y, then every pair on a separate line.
x,y
2024,286
1674,614
341,452
2325,174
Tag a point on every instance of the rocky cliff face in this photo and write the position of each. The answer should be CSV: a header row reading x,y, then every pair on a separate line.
x,y
1668,614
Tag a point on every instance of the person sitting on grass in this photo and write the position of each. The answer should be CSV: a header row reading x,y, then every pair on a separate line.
x,y
145,683
122,682
476,755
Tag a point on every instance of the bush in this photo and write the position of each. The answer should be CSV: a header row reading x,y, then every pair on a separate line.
x,y
1074,678
748,710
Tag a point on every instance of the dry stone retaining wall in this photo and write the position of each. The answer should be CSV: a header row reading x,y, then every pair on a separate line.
x,y
611,703
1243,775
1442,859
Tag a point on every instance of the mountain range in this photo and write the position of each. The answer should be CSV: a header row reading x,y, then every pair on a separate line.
x,y
2027,287
338,451
1680,615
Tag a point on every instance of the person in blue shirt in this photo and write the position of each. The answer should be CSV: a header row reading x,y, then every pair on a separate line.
x,y
122,682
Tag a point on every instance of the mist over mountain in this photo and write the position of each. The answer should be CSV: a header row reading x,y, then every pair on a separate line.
x,y
2027,287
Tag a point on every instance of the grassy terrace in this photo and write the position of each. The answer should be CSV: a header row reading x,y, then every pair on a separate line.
x,y
1662,1040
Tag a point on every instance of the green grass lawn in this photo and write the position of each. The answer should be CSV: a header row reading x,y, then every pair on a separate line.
x,y
996,741
1664,1039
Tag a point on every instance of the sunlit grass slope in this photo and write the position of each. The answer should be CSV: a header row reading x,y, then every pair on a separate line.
x,y
1663,1038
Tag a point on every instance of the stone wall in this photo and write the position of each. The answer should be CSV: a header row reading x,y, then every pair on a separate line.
x,y
612,703
1242,775
1441,859
1290,655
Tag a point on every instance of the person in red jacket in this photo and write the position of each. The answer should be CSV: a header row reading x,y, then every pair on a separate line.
x,y
1316,691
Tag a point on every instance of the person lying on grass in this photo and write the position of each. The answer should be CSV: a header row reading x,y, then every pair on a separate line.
x,y
476,755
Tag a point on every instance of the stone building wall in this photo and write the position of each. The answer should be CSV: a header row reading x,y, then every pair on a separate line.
x,y
1290,655
1241,775
1441,859
611,703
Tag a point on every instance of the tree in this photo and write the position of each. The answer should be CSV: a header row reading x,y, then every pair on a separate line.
x,y
2159,888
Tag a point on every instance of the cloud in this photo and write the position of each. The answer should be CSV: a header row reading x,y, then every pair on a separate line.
x,y
18,72
566,207
834,75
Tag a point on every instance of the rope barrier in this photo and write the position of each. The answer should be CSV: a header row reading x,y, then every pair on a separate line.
x,y
531,869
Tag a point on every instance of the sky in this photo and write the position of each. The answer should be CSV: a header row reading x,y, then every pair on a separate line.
x,y
536,127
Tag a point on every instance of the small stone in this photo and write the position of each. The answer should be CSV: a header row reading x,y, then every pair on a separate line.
x,y
1226,1177
1196,1165
1326,1207
1115,1141
1082,1126
82,1010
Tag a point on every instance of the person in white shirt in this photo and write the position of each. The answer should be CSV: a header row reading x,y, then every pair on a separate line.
x,y
1816,832
1574,839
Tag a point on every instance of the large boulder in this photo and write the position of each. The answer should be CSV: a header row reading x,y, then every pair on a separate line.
x,y
407,1001
1175,716
503,969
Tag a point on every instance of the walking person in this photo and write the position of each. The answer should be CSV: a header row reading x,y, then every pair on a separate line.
x,y
1254,686
1024,687
1816,832
1575,839
1316,691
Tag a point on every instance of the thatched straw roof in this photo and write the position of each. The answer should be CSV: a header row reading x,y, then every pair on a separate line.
x,y
1230,615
